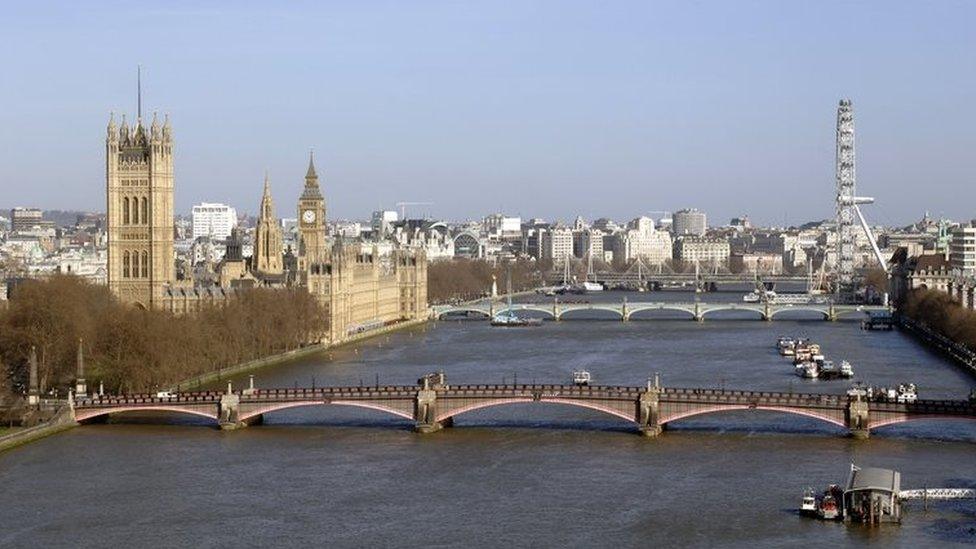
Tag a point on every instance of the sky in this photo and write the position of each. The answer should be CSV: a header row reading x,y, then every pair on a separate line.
x,y
532,108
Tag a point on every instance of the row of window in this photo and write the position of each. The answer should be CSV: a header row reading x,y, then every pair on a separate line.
x,y
135,264
131,210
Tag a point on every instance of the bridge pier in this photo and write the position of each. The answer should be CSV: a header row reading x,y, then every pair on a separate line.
x,y
649,411
831,313
228,411
858,419
699,314
624,317
425,406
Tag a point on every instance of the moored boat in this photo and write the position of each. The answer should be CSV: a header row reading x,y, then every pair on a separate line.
x,y
808,506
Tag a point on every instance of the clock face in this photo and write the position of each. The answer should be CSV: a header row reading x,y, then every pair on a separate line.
x,y
308,216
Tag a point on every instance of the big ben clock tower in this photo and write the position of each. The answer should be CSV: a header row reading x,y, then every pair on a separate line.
x,y
311,219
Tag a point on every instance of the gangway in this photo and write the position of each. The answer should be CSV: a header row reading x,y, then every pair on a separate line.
x,y
940,494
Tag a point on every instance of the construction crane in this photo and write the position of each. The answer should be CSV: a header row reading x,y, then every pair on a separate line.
x,y
403,207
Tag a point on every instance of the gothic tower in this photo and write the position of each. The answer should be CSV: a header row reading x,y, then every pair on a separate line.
x,y
311,220
267,237
139,192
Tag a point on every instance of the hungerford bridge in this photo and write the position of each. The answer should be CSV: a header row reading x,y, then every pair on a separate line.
x,y
432,404
625,310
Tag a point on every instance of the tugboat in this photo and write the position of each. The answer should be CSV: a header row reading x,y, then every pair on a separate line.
x,y
828,508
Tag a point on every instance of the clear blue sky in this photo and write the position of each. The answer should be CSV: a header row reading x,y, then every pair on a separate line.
x,y
547,109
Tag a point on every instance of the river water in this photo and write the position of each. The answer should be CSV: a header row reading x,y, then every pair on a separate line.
x,y
524,475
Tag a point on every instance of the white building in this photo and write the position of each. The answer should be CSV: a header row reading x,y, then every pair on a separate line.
x,y
702,250
213,220
962,250
641,240
501,227
557,244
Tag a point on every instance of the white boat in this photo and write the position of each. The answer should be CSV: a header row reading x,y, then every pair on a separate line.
x,y
808,506
759,295
581,378
846,370
808,370
591,287
907,393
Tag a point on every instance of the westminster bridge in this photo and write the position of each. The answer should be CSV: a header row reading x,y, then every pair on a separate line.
x,y
625,310
433,404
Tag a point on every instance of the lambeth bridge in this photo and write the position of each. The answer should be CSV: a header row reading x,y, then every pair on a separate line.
x,y
625,310
432,404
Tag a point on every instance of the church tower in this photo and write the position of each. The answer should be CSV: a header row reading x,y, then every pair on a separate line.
x,y
139,192
311,220
267,237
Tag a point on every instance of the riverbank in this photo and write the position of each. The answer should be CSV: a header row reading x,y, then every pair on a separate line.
x,y
957,352
315,348
12,438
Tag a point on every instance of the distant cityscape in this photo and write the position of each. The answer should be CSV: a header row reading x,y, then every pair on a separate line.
x,y
35,243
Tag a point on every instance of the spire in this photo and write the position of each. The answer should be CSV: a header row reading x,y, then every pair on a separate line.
x,y
310,174
33,389
267,207
139,95
311,181
167,129
81,359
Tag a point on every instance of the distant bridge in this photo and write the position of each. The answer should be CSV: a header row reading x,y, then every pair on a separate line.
x,y
691,278
432,404
625,310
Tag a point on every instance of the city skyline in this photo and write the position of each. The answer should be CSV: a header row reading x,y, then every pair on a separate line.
x,y
599,117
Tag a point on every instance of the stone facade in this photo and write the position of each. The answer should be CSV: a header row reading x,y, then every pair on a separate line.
x,y
139,184
361,285
268,250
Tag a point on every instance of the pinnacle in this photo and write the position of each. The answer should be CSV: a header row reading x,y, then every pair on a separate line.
x,y
310,174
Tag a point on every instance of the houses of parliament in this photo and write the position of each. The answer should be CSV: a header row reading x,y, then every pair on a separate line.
x,y
357,285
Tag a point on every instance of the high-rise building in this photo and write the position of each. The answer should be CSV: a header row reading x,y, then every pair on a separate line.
x,y
962,250
267,257
689,222
557,244
139,184
26,219
213,220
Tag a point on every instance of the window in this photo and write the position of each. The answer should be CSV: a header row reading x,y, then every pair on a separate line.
x,y
145,258
145,211
125,255
125,212
135,211
135,264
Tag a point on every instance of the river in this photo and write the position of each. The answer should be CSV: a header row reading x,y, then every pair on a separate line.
x,y
523,475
